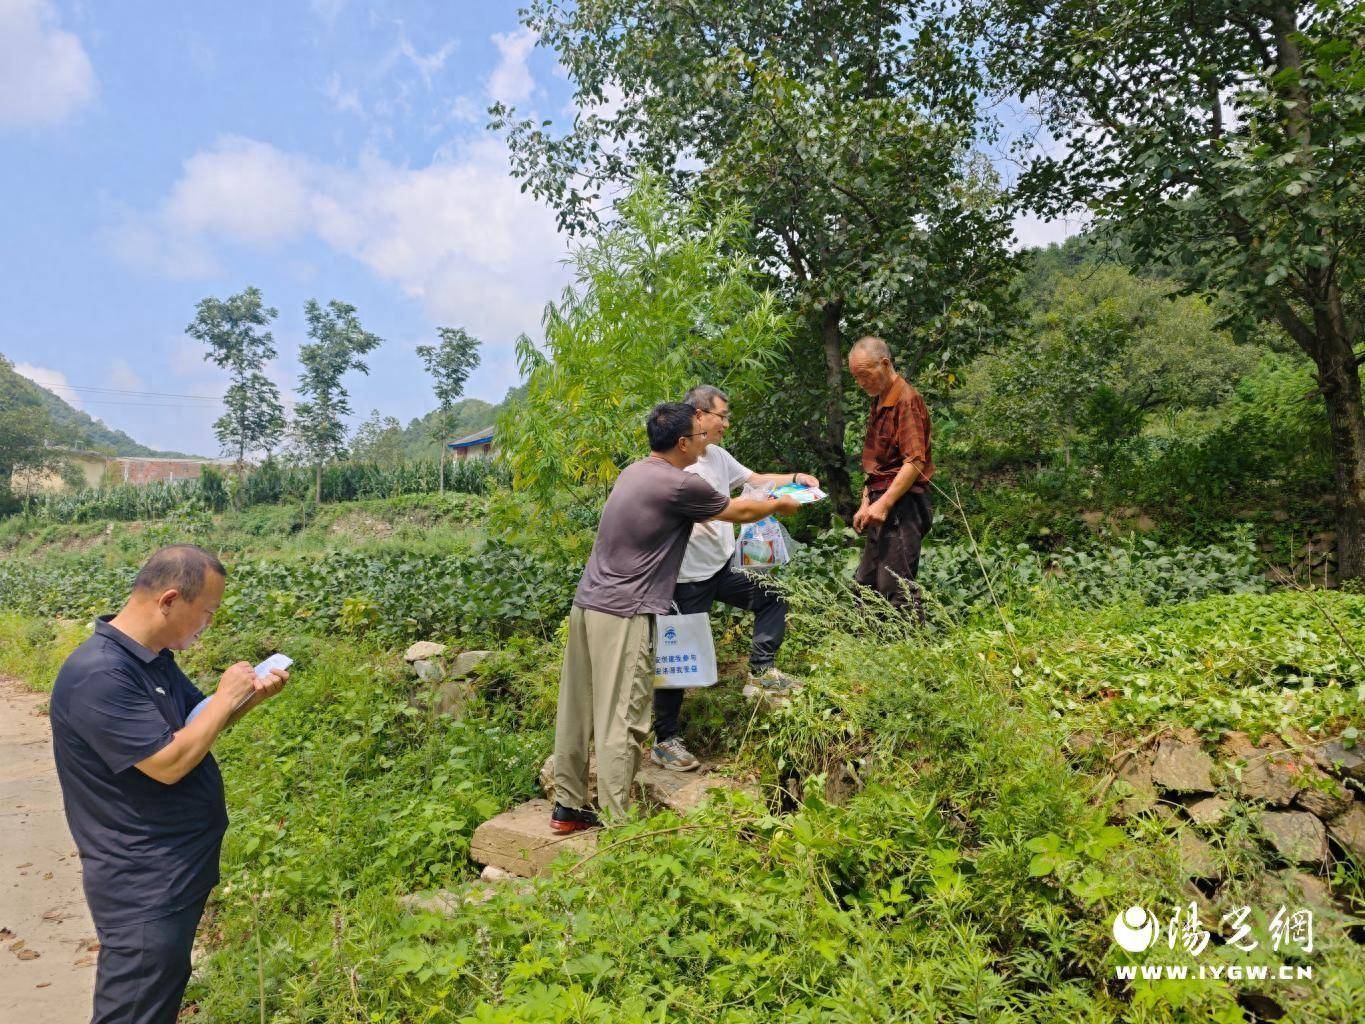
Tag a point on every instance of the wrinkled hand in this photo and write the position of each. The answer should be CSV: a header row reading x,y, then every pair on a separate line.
x,y
786,505
238,683
870,515
806,480
860,518
269,685
875,515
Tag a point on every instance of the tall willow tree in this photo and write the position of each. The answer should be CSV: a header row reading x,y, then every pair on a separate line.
x,y
661,300
1226,140
237,335
338,342
843,129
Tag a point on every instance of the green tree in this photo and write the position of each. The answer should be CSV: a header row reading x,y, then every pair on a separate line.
x,y
1103,351
663,300
28,435
338,343
450,363
378,439
845,132
1226,140
235,331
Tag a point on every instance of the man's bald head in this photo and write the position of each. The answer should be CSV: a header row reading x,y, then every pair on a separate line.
x,y
181,567
870,347
869,360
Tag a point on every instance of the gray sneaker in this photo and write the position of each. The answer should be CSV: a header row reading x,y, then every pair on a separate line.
x,y
773,681
671,754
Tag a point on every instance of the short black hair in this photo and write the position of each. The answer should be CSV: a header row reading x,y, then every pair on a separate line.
x,y
667,423
181,567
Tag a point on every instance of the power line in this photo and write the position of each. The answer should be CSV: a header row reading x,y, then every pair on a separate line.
x,y
143,405
122,391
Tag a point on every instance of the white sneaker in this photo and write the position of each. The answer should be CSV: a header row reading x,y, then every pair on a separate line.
x,y
671,754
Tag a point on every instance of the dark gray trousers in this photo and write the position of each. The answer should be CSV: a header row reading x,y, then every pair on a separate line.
x,y
739,590
890,559
144,968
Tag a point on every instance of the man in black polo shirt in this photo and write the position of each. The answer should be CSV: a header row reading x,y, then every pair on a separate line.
x,y
143,795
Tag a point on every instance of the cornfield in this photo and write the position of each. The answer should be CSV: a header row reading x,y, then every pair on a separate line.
x,y
267,484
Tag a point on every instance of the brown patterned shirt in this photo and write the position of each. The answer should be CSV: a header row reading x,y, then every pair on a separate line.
x,y
897,432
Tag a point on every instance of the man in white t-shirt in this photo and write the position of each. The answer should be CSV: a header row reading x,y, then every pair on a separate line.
x,y
707,576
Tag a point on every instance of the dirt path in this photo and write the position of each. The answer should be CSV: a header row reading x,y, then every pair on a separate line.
x,y
42,909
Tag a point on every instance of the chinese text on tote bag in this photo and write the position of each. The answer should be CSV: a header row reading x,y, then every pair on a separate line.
x,y
684,654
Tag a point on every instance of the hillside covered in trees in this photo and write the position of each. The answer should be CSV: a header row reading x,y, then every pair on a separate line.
x,y
68,425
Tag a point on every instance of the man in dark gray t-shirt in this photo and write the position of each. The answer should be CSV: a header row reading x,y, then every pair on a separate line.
x,y
642,537
607,682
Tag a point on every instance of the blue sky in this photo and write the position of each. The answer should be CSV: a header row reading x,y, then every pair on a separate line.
x,y
157,153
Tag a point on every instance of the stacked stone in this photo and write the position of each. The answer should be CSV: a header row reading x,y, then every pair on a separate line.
x,y
1314,562
453,678
1303,798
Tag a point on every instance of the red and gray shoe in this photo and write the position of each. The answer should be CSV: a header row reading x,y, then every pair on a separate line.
x,y
569,819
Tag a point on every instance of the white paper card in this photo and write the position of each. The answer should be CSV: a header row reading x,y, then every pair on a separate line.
x,y
279,661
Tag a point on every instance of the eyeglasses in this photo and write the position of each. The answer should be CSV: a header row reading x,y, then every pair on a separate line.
x,y
699,433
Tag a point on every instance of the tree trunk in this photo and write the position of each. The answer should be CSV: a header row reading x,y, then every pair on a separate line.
x,y
317,483
1339,377
837,481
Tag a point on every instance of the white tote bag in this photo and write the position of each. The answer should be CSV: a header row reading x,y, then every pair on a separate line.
x,y
684,653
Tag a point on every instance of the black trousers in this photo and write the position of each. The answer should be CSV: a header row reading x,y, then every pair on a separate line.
x,y
890,560
738,590
144,968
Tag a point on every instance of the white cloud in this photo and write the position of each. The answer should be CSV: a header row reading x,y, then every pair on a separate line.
x,y
242,190
54,380
428,65
457,235
511,80
124,378
466,110
45,74
342,99
148,243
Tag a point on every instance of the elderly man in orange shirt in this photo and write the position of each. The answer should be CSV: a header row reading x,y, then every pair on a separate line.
x,y
896,512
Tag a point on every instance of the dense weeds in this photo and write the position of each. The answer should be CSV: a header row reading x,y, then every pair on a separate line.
x,y
925,845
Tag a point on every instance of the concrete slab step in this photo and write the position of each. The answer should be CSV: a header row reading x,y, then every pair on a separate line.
x,y
521,842
656,787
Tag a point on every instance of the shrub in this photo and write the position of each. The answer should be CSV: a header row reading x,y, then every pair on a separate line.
x,y
395,597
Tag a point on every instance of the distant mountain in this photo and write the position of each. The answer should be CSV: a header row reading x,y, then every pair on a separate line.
x,y
78,429
471,414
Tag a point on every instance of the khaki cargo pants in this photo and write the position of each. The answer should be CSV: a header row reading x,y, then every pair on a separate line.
x,y
606,690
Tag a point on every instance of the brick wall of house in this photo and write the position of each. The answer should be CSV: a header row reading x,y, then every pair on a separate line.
x,y
145,471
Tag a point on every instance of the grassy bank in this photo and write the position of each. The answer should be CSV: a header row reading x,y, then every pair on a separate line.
x,y
921,897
